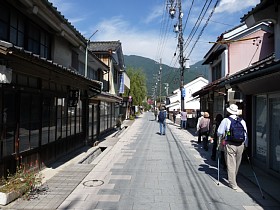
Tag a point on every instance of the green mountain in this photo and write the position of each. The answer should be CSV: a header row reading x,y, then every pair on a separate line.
x,y
169,74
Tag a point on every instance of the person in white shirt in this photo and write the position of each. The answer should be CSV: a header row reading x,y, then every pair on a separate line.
x,y
184,119
233,150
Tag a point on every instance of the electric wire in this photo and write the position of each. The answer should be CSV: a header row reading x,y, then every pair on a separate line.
x,y
197,24
188,16
202,30
194,29
163,29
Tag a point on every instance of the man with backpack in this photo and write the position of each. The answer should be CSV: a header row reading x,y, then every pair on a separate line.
x,y
234,131
161,119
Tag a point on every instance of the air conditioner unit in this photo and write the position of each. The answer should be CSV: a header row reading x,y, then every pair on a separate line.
x,y
234,96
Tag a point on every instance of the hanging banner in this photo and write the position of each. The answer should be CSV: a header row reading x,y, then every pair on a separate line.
x,y
121,90
183,92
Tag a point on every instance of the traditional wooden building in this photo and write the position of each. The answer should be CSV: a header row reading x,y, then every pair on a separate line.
x,y
46,95
249,77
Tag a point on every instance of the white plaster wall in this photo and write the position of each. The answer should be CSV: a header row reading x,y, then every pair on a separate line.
x,y
224,57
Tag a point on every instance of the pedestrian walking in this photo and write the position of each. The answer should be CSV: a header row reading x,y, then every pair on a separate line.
x,y
174,113
162,121
197,127
184,119
214,135
204,127
156,113
234,131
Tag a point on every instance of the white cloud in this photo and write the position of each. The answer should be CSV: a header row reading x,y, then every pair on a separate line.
x,y
232,6
155,13
134,41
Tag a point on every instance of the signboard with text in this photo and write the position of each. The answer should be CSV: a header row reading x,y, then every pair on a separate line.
x,y
73,98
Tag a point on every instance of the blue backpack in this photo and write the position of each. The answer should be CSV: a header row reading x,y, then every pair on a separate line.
x,y
236,131
161,116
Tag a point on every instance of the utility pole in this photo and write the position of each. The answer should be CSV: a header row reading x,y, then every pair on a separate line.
x,y
179,29
160,69
181,56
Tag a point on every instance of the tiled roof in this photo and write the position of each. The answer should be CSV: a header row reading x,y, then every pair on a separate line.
x,y
260,6
62,18
104,46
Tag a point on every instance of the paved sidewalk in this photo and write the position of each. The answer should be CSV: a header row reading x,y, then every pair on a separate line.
x,y
141,169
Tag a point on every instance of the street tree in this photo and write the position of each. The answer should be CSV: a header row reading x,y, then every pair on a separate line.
x,y
138,88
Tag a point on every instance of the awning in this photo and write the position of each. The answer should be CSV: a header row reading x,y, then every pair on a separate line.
x,y
108,97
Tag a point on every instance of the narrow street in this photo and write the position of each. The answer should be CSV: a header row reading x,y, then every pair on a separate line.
x,y
144,170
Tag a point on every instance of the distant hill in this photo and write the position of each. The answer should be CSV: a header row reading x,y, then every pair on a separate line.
x,y
170,75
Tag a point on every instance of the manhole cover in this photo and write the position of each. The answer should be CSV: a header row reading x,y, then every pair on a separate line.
x,y
93,183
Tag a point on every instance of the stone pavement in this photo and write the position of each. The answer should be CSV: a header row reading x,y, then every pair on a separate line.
x,y
144,170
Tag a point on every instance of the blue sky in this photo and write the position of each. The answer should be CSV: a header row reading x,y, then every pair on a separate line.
x,y
145,28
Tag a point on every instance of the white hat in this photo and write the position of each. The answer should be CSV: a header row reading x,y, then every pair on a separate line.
x,y
233,109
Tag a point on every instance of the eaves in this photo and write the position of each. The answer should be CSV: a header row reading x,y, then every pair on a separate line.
x,y
9,49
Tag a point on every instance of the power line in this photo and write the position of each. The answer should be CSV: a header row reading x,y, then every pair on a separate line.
x,y
197,24
206,23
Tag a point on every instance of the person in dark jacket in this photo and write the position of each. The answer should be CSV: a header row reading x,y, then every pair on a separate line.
x,y
162,121
218,120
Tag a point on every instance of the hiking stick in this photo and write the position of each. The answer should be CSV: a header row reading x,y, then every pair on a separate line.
x,y
218,153
255,175
218,167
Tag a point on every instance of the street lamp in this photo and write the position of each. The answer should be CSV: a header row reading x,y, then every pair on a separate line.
x,y
86,57
166,88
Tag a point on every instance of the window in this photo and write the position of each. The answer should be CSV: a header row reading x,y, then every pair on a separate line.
x,y
216,72
17,29
102,116
274,133
45,45
9,123
92,74
38,41
48,120
75,60
115,76
79,111
4,22
260,128
35,118
33,39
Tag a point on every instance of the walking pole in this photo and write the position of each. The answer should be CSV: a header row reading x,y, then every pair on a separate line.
x,y
218,167
218,152
255,175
